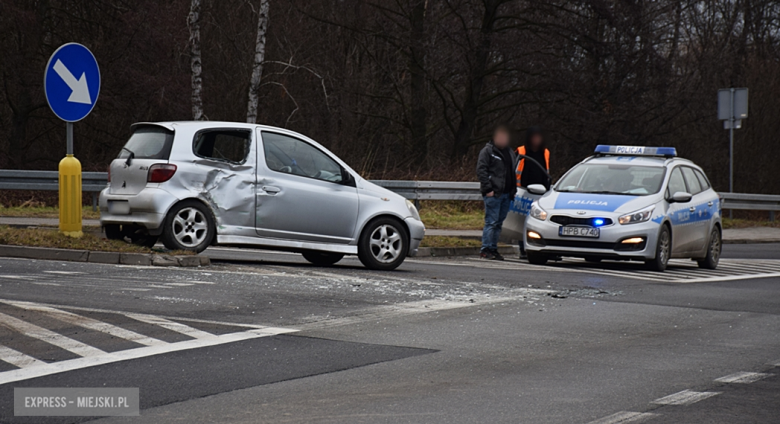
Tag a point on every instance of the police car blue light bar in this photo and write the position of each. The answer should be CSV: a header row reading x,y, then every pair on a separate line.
x,y
636,150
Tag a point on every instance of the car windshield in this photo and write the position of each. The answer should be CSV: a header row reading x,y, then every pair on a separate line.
x,y
613,179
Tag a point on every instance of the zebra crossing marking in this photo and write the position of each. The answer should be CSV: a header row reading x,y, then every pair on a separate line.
x,y
679,270
86,322
18,359
48,336
30,367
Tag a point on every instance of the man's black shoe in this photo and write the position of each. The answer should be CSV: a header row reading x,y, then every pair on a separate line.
x,y
487,255
497,256
523,256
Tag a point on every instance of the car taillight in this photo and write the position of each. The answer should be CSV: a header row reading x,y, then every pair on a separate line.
x,y
160,173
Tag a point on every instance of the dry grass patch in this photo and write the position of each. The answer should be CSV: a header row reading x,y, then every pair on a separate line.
x,y
38,237
43,212
452,215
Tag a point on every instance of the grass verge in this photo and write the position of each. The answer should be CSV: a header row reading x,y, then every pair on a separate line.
x,y
37,237
452,215
729,223
43,212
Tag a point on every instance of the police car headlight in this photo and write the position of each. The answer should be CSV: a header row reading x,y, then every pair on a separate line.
x,y
537,212
638,216
413,210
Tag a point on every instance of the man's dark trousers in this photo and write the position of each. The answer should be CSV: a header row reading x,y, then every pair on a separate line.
x,y
496,209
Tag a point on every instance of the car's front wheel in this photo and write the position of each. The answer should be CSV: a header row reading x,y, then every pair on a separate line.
x,y
713,251
663,250
537,258
188,226
322,258
383,244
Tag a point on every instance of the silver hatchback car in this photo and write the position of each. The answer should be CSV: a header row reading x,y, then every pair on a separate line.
x,y
196,184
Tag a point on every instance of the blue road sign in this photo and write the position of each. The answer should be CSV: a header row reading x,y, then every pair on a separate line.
x,y
72,82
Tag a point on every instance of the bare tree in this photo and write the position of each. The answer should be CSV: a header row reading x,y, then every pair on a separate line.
x,y
257,64
193,21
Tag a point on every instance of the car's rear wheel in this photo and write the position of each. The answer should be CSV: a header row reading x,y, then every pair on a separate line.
x,y
114,232
537,258
188,226
713,251
663,250
383,245
322,258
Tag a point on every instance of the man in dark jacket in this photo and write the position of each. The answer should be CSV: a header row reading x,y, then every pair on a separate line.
x,y
497,181
528,174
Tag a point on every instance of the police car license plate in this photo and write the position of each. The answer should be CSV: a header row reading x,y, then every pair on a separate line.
x,y
579,232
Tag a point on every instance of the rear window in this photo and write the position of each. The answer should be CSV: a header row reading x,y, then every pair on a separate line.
x,y
149,142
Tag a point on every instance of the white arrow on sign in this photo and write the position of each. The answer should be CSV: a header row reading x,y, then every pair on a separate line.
x,y
80,88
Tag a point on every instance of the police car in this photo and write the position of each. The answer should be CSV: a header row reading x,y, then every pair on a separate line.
x,y
628,203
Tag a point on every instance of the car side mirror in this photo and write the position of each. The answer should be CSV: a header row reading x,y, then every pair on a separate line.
x,y
347,179
537,189
681,197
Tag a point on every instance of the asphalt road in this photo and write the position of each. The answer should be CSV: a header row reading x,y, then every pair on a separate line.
x,y
265,337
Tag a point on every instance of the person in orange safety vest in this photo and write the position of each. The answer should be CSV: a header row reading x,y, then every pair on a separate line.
x,y
535,148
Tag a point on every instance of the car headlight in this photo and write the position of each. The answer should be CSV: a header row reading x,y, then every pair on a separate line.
x,y
413,210
537,212
638,216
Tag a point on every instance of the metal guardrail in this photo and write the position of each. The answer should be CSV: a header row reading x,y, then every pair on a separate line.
x,y
93,182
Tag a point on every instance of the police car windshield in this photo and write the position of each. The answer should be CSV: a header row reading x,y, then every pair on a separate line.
x,y
629,180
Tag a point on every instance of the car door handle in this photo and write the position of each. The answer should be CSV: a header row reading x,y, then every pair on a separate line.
x,y
709,204
271,190
692,209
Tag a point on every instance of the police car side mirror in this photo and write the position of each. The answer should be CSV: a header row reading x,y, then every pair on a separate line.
x,y
681,197
537,189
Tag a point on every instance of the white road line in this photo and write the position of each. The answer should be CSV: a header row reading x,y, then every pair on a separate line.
x,y
89,323
624,417
743,377
170,325
734,278
19,359
48,336
685,397
65,272
205,321
141,352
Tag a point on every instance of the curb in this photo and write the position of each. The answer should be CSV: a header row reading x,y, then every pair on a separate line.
x,y
115,258
461,251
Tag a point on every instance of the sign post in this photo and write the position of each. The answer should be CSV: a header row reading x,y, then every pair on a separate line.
x,y
72,85
732,108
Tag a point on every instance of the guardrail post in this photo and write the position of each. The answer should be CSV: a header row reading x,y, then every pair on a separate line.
x,y
94,202
771,216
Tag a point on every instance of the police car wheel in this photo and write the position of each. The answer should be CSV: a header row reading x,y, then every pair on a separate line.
x,y
537,258
188,226
322,258
713,251
114,232
383,244
663,250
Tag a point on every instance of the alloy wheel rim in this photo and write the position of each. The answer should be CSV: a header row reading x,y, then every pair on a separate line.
x,y
190,227
386,243
715,246
663,250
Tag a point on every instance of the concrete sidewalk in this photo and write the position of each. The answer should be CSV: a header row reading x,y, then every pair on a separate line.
x,y
736,235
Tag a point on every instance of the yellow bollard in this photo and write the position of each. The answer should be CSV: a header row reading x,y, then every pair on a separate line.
x,y
70,197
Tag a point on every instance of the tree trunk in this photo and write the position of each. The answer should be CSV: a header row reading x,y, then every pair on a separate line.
x,y
418,120
257,64
193,21
477,74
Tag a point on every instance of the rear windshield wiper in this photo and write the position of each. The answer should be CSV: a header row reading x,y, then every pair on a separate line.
x,y
129,160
